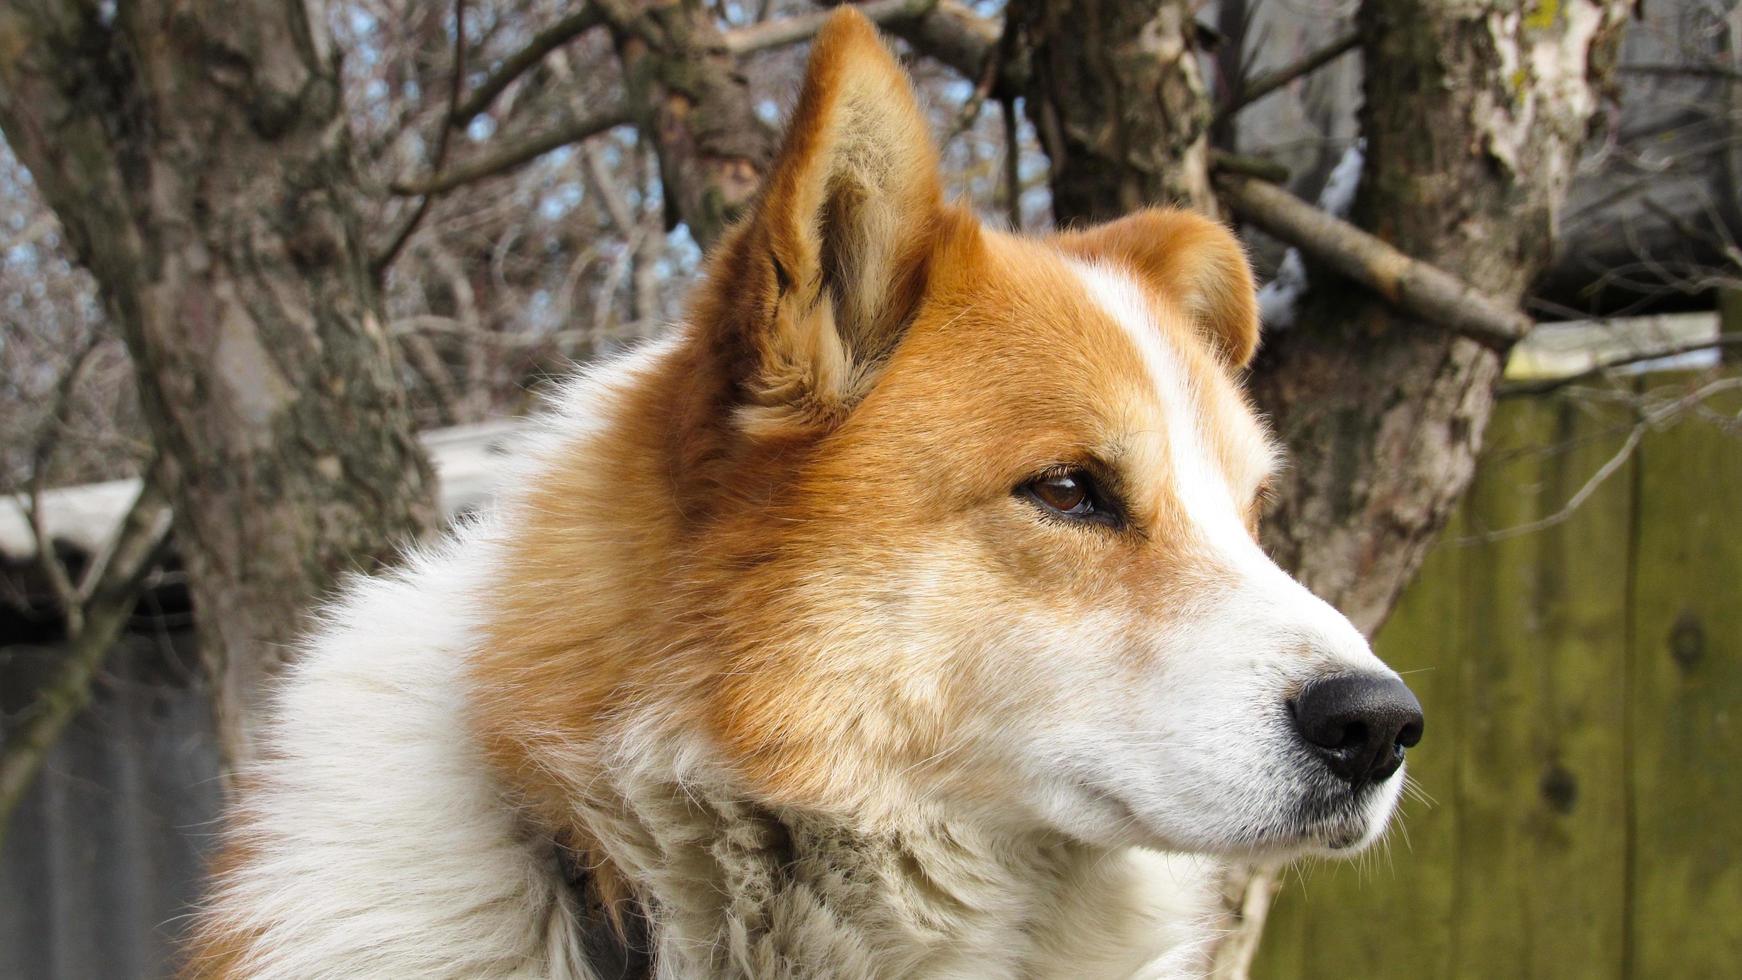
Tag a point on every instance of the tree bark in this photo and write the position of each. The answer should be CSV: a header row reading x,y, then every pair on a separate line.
x,y
692,101
198,157
1113,89
1475,114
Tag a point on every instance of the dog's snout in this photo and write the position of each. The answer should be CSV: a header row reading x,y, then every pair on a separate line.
x,y
1359,724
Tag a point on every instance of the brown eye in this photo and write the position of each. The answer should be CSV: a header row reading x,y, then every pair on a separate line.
x,y
1070,493
1065,493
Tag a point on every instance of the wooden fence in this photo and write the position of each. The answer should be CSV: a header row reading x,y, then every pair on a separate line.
x,y
1581,674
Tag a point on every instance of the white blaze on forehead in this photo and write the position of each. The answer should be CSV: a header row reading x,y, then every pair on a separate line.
x,y
1201,482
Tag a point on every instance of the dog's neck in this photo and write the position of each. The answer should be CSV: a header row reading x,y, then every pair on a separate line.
x,y
731,889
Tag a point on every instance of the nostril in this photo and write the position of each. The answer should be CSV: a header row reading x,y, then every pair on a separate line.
x,y
1410,734
1354,735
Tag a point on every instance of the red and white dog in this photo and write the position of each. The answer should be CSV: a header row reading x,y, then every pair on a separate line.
x,y
900,615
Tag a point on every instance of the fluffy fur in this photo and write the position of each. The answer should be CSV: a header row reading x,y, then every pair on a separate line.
x,y
767,638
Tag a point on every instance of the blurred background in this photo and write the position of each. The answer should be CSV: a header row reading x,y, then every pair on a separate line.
x,y
278,277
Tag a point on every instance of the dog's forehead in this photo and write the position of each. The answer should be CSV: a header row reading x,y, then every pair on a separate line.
x,y
1020,319
1073,349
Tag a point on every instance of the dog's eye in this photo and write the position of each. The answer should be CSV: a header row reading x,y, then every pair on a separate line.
x,y
1070,493
1067,493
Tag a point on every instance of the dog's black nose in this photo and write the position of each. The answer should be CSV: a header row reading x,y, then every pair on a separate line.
x,y
1359,724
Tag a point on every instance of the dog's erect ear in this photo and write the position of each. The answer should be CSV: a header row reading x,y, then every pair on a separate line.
x,y
1193,261
837,245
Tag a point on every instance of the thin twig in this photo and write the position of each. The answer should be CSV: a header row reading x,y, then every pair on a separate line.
x,y
42,459
522,61
1269,82
1577,500
456,84
970,113
137,548
1648,421
800,28
1012,161
515,155
1718,240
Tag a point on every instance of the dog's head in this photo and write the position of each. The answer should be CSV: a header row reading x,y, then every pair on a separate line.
x,y
962,521
983,525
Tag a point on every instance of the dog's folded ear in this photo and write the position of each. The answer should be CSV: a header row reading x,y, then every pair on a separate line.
x,y
832,260
1191,260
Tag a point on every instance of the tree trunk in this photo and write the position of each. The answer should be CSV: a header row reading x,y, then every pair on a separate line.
x,y
1114,91
197,155
1475,114
691,100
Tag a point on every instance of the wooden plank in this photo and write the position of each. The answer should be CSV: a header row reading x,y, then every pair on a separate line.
x,y
1516,648
1686,712
1540,794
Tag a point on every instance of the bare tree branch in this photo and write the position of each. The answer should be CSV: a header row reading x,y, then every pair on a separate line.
x,y
456,84
799,28
692,102
1012,163
1545,385
421,355
1250,166
136,548
952,33
612,197
507,158
1412,286
1269,82
1684,71
41,460
1608,469
522,61
1649,419
970,113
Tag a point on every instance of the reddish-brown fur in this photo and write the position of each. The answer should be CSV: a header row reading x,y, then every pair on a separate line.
x,y
717,524
844,401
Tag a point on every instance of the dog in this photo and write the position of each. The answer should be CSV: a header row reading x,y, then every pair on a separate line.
x,y
900,614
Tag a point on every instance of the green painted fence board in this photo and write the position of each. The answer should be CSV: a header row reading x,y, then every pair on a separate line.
x,y
1555,707
1539,798
1686,711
